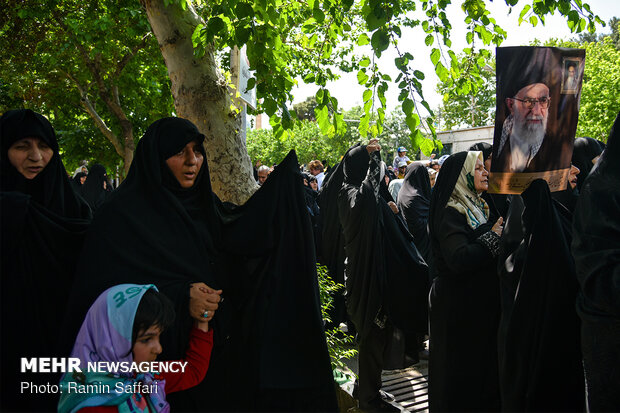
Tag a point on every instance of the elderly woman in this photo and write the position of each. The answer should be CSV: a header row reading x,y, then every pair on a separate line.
x,y
164,226
43,224
464,301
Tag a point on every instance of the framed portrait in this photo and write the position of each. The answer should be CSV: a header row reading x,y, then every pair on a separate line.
x,y
571,75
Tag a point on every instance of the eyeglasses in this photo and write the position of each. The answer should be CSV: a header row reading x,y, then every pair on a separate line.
x,y
530,103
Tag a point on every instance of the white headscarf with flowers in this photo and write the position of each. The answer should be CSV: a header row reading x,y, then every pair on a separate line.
x,y
465,198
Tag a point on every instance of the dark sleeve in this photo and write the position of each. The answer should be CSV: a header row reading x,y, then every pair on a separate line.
x,y
462,255
197,357
369,190
596,248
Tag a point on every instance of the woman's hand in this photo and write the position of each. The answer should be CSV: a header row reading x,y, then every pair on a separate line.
x,y
373,146
498,227
203,301
393,206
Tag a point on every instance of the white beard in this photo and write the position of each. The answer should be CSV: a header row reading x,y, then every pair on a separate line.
x,y
531,133
525,141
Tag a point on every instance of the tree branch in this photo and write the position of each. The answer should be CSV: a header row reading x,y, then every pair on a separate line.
x,y
123,62
92,112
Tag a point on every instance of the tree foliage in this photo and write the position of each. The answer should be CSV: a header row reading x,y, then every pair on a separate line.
x,y
309,40
470,101
93,67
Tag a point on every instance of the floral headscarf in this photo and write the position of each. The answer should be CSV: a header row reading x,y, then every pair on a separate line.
x,y
106,335
465,198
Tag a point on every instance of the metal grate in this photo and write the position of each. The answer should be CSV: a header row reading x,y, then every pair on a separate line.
x,y
409,387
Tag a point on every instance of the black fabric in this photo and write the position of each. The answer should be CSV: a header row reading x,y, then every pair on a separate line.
x,y
261,255
311,197
584,151
485,148
540,367
332,242
92,190
596,248
42,225
386,275
464,305
414,199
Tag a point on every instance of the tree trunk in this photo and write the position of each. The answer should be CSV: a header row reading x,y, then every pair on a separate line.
x,y
201,94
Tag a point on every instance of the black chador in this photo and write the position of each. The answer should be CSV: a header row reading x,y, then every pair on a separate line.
x,y
270,348
43,226
596,248
540,354
386,276
414,199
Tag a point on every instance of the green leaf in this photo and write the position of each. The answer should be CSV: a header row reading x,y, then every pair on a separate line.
x,y
412,120
427,146
526,8
362,77
270,106
243,10
469,37
533,21
442,72
380,41
319,96
435,55
408,106
418,74
318,15
367,95
429,40
363,127
363,39
322,117
365,62
251,84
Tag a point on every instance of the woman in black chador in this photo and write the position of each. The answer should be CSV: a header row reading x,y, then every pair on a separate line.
x,y
585,154
43,225
163,225
414,199
95,190
464,300
596,248
386,275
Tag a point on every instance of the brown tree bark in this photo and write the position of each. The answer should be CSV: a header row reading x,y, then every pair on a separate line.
x,y
202,95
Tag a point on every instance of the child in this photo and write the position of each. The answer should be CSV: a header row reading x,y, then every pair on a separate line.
x,y
124,325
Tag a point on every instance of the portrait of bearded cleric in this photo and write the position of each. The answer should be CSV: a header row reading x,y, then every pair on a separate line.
x,y
535,122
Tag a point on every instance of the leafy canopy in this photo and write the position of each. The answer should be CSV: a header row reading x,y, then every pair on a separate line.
x,y
312,40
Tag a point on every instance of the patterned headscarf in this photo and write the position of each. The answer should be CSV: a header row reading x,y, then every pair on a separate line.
x,y
465,198
106,335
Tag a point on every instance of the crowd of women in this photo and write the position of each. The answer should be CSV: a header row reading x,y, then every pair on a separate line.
x,y
524,291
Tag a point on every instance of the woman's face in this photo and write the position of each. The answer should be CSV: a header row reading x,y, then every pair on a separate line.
x,y
30,156
481,180
186,164
572,176
314,185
